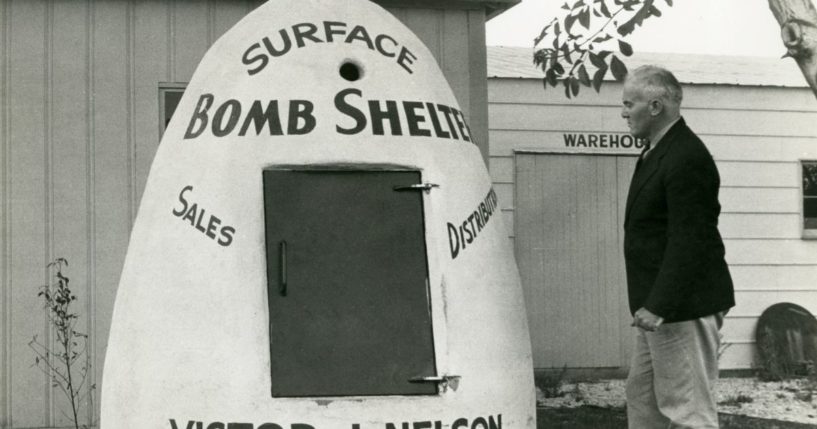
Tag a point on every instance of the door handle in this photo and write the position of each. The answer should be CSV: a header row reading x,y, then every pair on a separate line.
x,y
282,287
444,381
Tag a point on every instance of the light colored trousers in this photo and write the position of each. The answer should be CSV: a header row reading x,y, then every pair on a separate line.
x,y
672,376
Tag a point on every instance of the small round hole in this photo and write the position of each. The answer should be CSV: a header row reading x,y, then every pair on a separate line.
x,y
350,71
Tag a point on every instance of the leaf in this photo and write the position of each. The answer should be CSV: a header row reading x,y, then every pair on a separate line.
x,y
597,61
550,77
558,69
669,2
584,19
637,19
574,86
569,21
625,48
565,6
605,11
654,11
566,54
584,78
618,68
567,87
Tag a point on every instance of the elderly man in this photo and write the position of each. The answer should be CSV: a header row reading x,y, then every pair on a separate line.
x,y
678,282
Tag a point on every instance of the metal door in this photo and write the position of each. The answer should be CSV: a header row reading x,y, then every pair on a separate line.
x,y
347,283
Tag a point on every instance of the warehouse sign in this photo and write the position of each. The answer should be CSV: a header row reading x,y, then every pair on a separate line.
x,y
597,143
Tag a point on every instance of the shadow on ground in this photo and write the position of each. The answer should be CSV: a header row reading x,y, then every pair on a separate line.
x,y
590,417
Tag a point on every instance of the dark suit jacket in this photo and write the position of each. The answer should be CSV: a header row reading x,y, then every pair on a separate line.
x,y
673,251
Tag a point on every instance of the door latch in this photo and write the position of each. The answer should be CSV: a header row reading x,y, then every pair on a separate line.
x,y
418,187
444,381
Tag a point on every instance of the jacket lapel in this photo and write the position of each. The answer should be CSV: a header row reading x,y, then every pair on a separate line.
x,y
647,167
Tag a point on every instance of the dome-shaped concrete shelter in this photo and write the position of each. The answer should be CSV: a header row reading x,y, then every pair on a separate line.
x,y
317,244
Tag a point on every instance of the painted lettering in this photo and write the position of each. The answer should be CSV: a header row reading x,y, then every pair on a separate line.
x,y
250,61
182,200
461,234
379,115
301,110
453,240
386,117
210,226
193,424
405,59
260,54
414,120
305,31
603,141
259,118
200,116
482,422
300,117
347,109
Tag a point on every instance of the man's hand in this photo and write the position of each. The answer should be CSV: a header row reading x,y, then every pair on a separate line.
x,y
644,319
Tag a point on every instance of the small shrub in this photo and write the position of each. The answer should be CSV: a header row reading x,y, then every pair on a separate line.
x,y
68,363
551,382
737,401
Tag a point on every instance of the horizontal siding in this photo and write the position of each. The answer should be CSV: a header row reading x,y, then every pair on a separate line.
x,y
760,174
774,277
529,91
704,121
759,200
723,148
737,355
753,303
766,252
760,225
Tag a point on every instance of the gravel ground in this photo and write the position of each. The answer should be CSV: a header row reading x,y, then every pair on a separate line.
x,y
791,400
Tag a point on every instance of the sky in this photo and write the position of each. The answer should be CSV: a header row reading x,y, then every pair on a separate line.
x,y
714,27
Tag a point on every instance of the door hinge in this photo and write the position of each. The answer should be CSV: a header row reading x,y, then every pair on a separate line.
x,y
444,381
418,187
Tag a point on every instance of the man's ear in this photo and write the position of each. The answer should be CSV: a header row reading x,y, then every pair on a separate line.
x,y
655,107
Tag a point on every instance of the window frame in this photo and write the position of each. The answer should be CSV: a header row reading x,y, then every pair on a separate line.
x,y
164,89
807,233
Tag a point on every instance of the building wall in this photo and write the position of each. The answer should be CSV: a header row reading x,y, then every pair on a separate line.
x,y
79,124
757,135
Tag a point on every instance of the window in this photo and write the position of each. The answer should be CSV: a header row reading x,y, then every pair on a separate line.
x,y
169,96
809,199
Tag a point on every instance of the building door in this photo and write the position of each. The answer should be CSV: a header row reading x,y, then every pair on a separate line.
x,y
347,283
569,239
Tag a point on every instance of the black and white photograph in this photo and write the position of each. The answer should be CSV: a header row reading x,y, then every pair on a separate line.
x,y
408,214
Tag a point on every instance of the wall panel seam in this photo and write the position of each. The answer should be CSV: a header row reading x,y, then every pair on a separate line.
x,y
90,192
5,389
131,109
48,191
171,41
211,22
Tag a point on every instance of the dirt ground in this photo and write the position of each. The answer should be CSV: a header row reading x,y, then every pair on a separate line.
x,y
594,417
742,403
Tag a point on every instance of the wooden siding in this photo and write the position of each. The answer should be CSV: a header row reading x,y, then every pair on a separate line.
x,y
79,125
757,135
568,257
